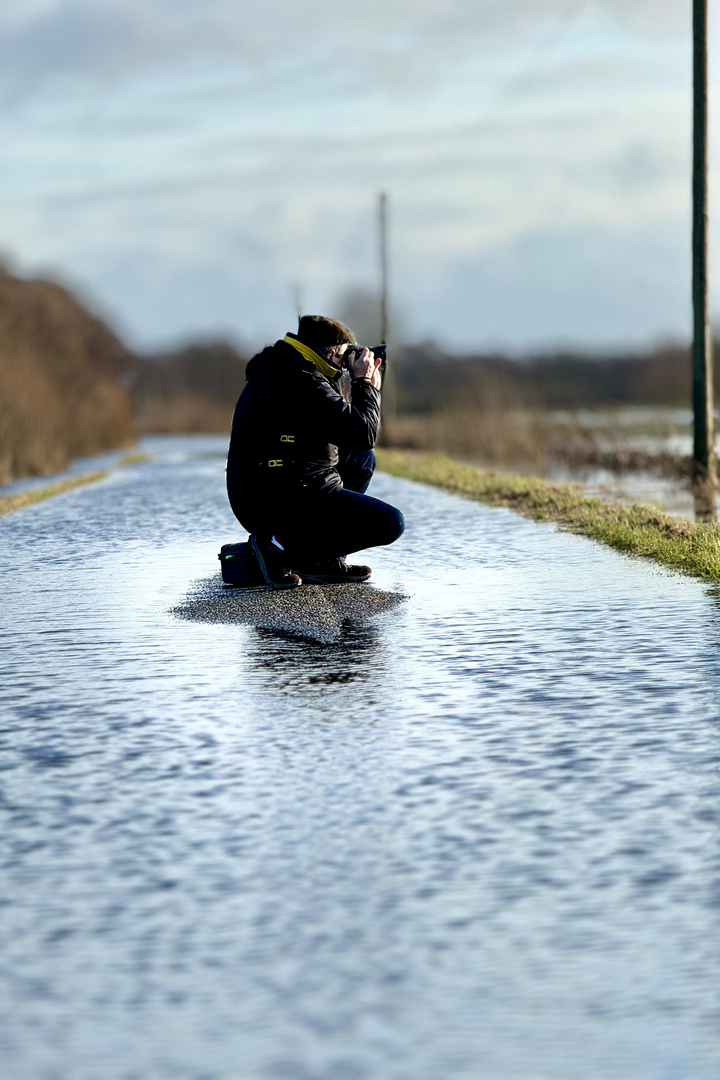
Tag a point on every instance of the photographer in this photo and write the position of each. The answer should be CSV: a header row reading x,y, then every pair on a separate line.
x,y
301,458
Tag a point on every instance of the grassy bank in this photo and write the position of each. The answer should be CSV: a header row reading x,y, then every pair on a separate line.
x,y
35,495
637,530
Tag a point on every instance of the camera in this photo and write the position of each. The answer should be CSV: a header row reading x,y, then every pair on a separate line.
x,y
353,351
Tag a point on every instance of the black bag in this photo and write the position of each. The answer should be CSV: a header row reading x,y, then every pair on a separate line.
x,y
239,565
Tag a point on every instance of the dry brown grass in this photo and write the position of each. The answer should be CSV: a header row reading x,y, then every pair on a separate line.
x,y
60,381
187,414
531,440
493,437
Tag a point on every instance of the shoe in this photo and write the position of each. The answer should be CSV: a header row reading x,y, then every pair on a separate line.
x,y
271,561
335,572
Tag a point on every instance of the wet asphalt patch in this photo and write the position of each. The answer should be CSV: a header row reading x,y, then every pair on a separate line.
x,y
317,612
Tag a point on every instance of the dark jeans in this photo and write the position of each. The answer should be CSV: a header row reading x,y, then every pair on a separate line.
x,y
314,526
356,470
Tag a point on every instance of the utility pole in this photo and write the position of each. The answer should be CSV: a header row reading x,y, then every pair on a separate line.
x,y
389,385
704,473
298,299
383,239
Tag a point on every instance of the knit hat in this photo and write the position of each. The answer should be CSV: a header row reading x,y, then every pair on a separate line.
x,y
318,330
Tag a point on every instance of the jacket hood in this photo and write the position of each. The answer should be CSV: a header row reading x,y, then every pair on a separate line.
x,y
261,362
281,354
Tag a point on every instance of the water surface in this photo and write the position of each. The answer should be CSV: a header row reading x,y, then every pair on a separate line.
x,y
473,837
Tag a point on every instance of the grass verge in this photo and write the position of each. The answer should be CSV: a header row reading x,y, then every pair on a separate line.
x,y
636,530
135,458
34,495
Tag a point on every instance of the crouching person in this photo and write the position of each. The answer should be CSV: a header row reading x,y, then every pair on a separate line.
x,y
301,458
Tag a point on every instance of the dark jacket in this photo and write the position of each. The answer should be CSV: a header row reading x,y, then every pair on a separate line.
x,y
288,425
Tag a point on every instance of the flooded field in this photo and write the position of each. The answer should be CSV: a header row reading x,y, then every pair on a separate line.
x,y
467,830
652,431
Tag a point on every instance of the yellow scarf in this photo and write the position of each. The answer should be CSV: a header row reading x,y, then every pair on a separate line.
x,y
309,354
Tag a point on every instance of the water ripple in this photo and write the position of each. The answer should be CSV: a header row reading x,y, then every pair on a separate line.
x,y
473,835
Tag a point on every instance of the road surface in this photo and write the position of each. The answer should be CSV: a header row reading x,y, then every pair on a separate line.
x,y
470,834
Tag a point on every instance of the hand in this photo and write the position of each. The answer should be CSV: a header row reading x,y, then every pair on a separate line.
x,y
366,366
362,365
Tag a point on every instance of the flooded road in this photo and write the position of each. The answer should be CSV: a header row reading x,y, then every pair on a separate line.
x,y
475,836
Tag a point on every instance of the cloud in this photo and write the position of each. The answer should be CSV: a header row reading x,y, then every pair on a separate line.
x,y
584,284
104,40
188,162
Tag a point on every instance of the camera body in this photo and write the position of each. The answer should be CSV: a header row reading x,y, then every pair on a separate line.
x,y
353,351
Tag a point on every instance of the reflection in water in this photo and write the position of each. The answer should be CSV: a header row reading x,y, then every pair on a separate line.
x,y
476,836
305,672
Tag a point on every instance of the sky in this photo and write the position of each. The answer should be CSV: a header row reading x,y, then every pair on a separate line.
x,y
192,168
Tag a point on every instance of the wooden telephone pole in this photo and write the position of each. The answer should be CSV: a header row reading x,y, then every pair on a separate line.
x,y
383,239
389,397
298,299
704,469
